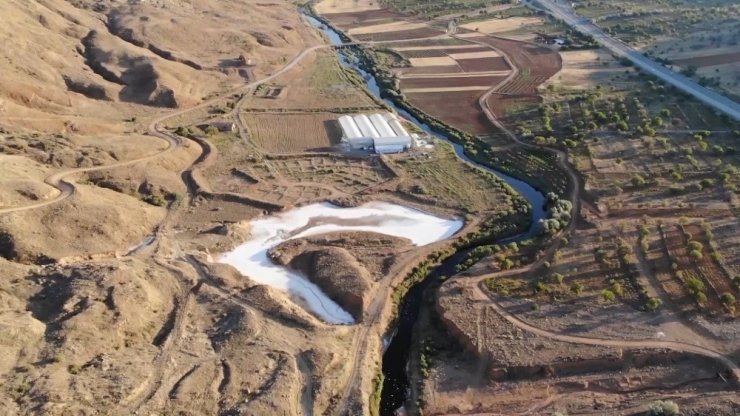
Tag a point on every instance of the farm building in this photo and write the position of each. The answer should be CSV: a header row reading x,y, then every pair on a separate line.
x,y
223,126
381,132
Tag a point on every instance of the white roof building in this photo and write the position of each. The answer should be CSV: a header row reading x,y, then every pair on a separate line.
x,y
366,127
349,127
381,125
381,132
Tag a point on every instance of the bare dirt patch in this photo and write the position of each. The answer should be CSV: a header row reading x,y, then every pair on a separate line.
x,y
587,69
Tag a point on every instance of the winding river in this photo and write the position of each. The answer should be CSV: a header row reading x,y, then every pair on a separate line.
x,y
395,358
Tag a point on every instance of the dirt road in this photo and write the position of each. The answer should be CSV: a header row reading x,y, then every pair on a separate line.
x,y
481,296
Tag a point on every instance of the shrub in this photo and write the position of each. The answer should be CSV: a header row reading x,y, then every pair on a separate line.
x,y
74,369
211,131
701,298
696,254
576,288
617,289
157,200
608,295
558,278
638,180
727,298
695,285
663,408
695,245
653,304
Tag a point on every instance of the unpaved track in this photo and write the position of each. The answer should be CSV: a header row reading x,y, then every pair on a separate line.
x,y
67,188
481,296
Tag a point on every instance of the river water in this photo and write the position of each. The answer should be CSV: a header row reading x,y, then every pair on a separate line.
x,y
395,358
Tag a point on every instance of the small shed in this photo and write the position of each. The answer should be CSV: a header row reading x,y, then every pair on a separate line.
x,y
223,126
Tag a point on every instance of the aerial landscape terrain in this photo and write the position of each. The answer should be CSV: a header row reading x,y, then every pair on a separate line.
x,y
370,207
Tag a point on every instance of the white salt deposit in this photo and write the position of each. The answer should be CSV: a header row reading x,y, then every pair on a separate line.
x,y
251,258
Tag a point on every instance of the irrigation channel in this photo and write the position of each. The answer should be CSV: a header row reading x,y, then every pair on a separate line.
x,y
395,358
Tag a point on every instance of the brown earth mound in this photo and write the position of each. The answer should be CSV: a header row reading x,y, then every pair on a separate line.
x,y
344,265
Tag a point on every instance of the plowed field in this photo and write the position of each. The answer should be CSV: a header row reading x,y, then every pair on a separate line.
x,y
459,109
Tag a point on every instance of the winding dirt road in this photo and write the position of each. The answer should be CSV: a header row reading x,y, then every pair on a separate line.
x,y
480,295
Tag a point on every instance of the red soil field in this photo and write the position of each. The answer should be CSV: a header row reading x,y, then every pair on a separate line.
x,y
541,61
483,64
434,53
440,82
441,69
536,65
459,109
423,32
431,42
709,60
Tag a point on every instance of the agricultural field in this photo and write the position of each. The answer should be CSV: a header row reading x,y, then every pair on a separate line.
x,y
445,76
441,179
585,69
317,83
499,25
293,132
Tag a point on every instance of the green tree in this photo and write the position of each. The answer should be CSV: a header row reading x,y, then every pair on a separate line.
x,y
696,254
577,288
727,299
695,245
638,180
663,408
211,131
608,295
653,304
695,285
558,278
701,298
617,288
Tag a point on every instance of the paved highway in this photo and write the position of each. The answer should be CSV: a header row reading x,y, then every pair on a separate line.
x,y
619,48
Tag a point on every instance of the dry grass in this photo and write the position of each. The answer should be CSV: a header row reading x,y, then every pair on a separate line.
x,y
293,133
343,6
586,69
318,82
